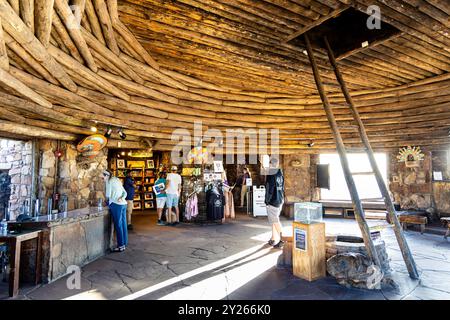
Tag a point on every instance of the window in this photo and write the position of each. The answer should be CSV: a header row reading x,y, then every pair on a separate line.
x,y
360,167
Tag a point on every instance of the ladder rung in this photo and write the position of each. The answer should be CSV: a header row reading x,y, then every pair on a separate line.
x,y
362,173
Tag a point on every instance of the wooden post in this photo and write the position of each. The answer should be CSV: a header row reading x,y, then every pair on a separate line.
x,y
404,248
359,211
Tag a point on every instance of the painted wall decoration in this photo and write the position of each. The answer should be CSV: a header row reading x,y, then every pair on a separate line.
x,y
410,156
92,145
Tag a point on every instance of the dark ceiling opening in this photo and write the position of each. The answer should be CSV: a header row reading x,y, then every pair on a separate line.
x,y
347,33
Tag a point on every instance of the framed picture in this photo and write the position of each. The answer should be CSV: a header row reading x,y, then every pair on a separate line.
x,y
137,196
137,205
148,196
150,164
149,205
121,164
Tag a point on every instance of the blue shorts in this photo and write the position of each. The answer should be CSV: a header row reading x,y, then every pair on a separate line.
x,y
172,200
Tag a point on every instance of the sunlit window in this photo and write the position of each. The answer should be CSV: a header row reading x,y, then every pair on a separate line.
x,y
362,173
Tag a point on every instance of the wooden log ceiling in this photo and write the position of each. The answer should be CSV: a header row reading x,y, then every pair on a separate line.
x,y
152,66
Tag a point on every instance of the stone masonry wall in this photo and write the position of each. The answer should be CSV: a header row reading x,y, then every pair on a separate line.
x,y
79,179
411,187
300,177
16,159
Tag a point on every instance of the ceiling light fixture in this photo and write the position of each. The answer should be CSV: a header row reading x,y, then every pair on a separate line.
x,y
122,134
108,132
94,129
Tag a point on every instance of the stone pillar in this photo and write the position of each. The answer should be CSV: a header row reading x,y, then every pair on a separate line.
x,y
15,159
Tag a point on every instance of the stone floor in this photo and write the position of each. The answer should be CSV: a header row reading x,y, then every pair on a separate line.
x,y
232,261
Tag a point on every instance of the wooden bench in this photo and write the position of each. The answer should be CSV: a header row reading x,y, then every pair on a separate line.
x,y
446,221
413,219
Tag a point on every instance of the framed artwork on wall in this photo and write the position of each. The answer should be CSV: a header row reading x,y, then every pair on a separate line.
x,y
148,205
150,164
148,196
136,205
121,164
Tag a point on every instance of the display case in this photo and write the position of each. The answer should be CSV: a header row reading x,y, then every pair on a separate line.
x,y
308,212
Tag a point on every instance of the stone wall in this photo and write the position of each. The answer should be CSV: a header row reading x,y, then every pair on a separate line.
x,y
441,195
16,159
79,179
300,180
411,187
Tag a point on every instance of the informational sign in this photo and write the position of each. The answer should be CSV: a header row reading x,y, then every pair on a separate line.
x,y
248,182
375,235
437,176
259,205
212,176
218,166
300,239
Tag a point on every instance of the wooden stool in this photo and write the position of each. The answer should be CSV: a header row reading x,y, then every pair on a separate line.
x,y
412,219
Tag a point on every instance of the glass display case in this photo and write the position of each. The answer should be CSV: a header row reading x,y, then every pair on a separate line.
x,y
308,212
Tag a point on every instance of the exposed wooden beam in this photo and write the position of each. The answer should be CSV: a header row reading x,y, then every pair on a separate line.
x,y
43,20
4,60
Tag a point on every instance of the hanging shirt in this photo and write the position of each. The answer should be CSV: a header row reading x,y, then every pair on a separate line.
x,y
115,191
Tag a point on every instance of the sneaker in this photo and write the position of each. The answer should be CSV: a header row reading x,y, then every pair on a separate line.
x,y
160,223
119,249
279,245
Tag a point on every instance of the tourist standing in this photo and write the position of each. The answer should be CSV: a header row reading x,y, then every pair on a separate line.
x,y
246,175
115,198
130,189
274,201
161,198
173,191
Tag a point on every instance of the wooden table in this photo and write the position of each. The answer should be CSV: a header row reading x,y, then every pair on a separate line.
x,y
14,241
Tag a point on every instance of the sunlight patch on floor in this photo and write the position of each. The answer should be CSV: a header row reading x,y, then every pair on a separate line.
x,y
208,268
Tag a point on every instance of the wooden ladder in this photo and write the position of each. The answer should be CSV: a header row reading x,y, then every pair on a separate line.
x,y
341,149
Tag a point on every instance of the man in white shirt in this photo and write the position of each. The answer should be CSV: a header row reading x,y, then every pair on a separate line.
x,y
173,190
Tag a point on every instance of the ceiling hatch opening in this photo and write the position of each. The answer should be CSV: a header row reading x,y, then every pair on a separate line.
x,y
347,33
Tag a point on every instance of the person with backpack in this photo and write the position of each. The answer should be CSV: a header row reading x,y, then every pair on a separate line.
x,y
274,201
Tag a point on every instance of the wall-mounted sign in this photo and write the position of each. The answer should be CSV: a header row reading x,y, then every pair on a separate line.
x,y
437,176
218,166
300,239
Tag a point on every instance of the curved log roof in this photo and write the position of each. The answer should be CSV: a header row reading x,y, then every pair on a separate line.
x,y
153,66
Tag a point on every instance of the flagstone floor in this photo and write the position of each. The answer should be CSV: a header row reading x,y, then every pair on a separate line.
x,y
232,261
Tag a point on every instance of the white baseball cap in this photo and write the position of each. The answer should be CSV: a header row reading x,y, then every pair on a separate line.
x,y
174,168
